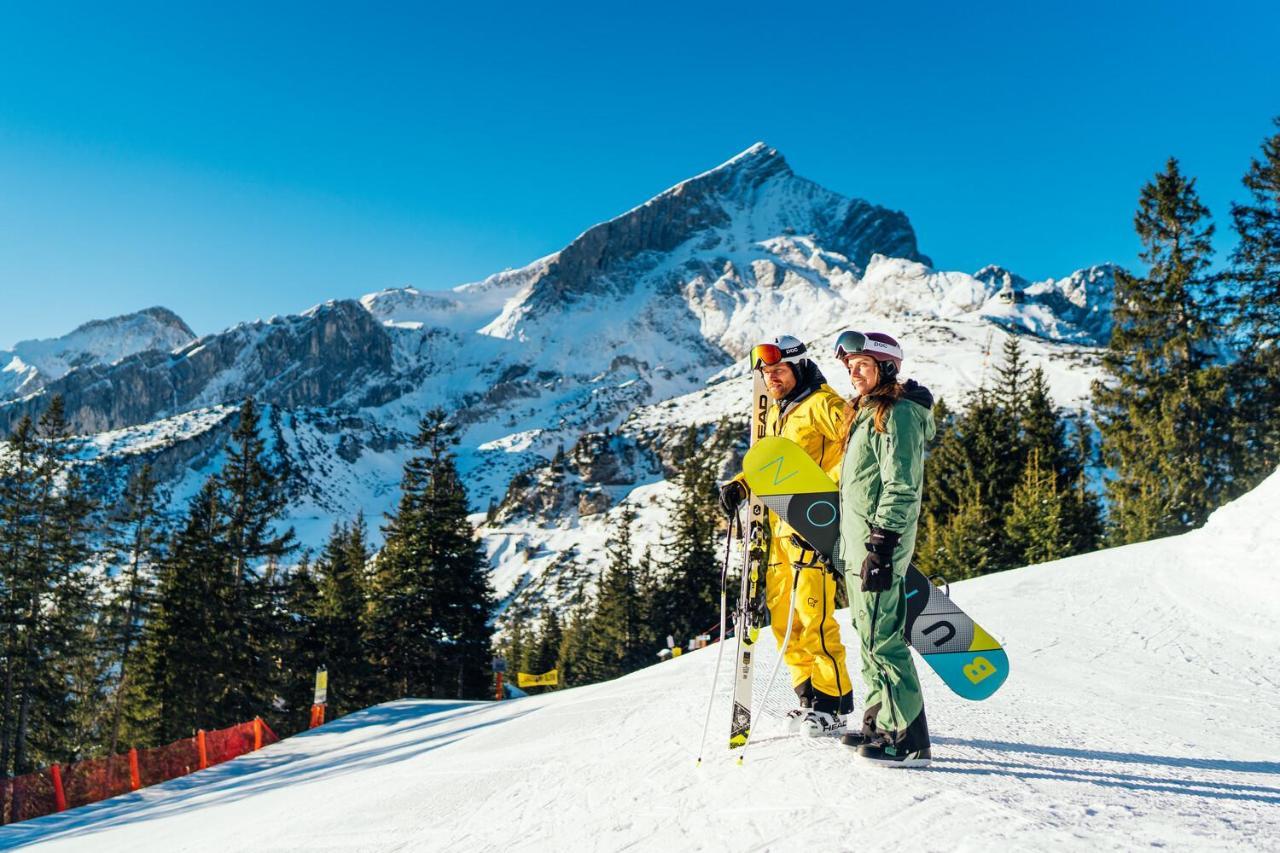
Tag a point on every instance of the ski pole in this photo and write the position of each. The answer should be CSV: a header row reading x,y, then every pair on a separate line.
x,y
782,651
724,583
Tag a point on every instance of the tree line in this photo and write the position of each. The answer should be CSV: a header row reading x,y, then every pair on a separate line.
x,y
160,632
641,598
1187,409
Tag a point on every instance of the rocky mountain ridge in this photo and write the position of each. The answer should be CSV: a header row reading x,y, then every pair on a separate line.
x,y
31,365
606,350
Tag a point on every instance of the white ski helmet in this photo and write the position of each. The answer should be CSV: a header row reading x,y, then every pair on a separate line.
x,y
784,349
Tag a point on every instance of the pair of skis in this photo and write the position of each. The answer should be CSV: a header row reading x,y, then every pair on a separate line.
x,y
749,613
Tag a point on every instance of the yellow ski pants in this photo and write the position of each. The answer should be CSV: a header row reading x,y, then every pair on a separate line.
x,y
814,653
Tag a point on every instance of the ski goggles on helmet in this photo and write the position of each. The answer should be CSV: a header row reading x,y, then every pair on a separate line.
x,y
767,355
857,343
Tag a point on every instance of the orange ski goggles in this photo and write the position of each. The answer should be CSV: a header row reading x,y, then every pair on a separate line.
x,y
767,355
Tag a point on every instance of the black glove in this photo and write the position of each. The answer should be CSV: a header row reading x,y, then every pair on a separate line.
x,y
877,568
732,494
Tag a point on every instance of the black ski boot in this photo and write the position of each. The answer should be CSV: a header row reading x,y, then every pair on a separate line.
x,y
869,731
908,748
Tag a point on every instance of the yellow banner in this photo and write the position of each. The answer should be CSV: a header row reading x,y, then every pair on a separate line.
x,y
322,686
547,679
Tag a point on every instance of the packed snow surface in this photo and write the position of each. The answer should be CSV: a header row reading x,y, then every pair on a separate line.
x,y
1141,711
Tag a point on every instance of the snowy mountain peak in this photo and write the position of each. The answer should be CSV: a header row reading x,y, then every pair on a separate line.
x,y
33,364
742,171
747,222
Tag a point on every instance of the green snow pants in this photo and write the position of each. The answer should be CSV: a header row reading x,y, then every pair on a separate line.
x,y
887,668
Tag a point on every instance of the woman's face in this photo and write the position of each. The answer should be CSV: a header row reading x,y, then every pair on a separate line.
x,y
864,372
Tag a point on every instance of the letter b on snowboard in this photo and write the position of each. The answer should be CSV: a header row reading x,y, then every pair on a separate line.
x,y
978,670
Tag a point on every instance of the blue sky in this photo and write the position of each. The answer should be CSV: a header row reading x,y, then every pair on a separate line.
x,y
254,159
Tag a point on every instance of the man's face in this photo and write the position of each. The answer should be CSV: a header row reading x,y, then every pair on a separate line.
x,y
863,372
778,380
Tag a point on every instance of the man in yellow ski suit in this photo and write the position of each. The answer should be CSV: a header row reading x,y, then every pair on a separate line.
x,y
806,410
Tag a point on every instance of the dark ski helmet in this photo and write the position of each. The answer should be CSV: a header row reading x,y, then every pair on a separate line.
x,y
883,348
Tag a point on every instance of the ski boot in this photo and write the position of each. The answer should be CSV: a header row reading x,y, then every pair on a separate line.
x,y
796,716
868,733
827,716
908,748
822,724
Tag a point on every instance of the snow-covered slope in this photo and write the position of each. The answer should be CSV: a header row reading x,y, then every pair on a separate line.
x,y
1141,712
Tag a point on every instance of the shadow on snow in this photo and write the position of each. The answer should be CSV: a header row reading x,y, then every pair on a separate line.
x,y
230,781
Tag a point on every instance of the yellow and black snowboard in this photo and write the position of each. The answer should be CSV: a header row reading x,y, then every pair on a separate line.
x,y
790,483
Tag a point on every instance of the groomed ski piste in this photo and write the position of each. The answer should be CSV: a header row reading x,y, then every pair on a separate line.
x,y
1143,710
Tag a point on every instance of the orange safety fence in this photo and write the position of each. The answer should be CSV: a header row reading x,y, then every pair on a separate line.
x,y
94,779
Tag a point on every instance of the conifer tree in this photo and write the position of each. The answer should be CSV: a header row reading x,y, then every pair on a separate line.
x,y
19,495
251,502
574,659
1011,379
1045,432
302,643
689,597
617,638
967,544
1163,409
546,653
972,471
136,552
54,670
184,672
429,624
518,642
341,600
1035,520
1255,275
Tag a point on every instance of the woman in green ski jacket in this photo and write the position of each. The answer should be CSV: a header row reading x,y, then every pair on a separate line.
x,y
881,477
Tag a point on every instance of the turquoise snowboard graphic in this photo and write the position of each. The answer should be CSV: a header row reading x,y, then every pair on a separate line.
x,y
791,484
